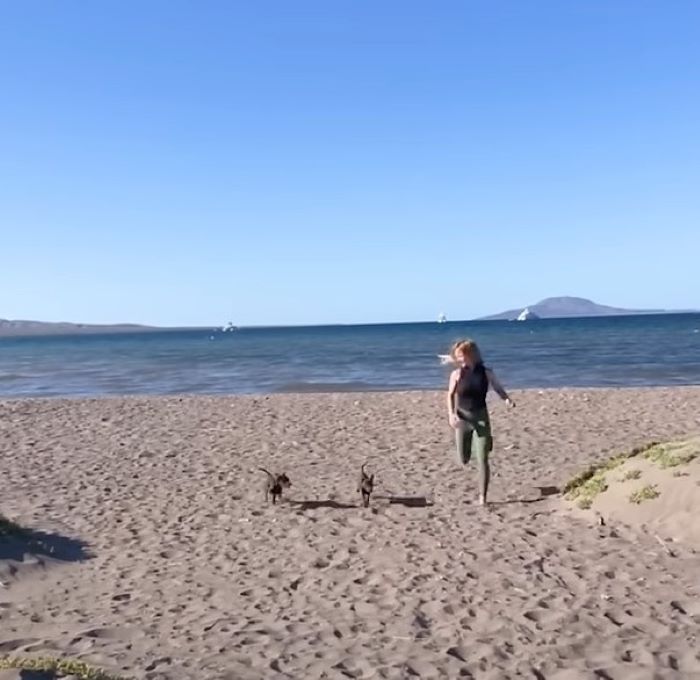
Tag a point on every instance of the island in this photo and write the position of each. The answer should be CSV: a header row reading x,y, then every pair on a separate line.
x,y
563,307
22,328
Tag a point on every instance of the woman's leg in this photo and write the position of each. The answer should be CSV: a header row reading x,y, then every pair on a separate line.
x,y
463,441
482,444
482,458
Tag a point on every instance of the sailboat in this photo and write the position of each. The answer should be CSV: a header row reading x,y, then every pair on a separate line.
x,y
527,315
442,318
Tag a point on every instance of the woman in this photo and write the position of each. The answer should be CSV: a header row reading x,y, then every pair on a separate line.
x,y
466,408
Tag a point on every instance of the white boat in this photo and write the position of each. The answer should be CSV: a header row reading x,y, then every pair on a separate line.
x,y
527,315
442,318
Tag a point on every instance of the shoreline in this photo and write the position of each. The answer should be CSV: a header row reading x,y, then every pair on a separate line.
x,y
493,399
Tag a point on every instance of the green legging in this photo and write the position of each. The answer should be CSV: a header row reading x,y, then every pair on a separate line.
x,y
473,436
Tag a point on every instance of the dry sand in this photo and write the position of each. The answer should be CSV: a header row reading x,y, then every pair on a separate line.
x,y
646,493
167,564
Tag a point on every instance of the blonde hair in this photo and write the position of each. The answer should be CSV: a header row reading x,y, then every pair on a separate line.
x,y
469,347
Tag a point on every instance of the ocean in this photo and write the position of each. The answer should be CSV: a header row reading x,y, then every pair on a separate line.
x,y
604,351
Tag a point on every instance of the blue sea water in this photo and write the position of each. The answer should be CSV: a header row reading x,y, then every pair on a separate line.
x,y
612,351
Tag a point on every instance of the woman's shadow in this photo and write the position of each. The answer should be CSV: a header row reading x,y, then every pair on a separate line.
x,y
544,491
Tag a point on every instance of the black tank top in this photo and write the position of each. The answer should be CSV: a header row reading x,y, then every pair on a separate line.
x,y
472,386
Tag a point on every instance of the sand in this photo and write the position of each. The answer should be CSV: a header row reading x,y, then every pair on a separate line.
x,y
167,564
656,489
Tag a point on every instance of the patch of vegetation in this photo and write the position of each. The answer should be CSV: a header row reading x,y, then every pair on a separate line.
x,y
646,493
631,474
587,490
60,667
673,454
10,528
680,473
573,486
586,485
615,461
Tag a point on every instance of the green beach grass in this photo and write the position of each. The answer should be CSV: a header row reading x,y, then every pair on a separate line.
x,y
646,493
673,454
585,486
631,474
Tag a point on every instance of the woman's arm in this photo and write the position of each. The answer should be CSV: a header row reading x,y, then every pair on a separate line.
x,y
498,388
451,389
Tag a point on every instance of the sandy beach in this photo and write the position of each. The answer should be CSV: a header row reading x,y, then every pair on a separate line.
x,y
168,564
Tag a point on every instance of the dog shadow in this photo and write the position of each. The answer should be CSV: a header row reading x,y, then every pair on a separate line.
x,y
407,501
326,503
16,542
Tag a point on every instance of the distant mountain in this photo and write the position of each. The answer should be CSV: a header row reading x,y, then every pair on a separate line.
x,y
17,328
560,307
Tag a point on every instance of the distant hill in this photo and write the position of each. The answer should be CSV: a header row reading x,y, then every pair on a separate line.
x,y
18,328
561,307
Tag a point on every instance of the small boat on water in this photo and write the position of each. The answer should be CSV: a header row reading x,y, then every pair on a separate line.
x,y
527,315
442,318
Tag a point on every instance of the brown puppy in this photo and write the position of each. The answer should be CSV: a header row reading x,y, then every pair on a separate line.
x,y
275,484
365,485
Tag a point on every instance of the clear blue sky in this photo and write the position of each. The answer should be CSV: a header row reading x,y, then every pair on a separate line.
x,y
262,162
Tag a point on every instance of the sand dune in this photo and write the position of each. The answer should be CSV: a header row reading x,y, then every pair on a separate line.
x,y
656,489
183,572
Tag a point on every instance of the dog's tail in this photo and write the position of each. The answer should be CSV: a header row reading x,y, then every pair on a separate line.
x,y
267,472
363,476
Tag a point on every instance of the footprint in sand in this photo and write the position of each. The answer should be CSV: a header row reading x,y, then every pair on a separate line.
x,y
108,633
16,645
163,661
122,597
